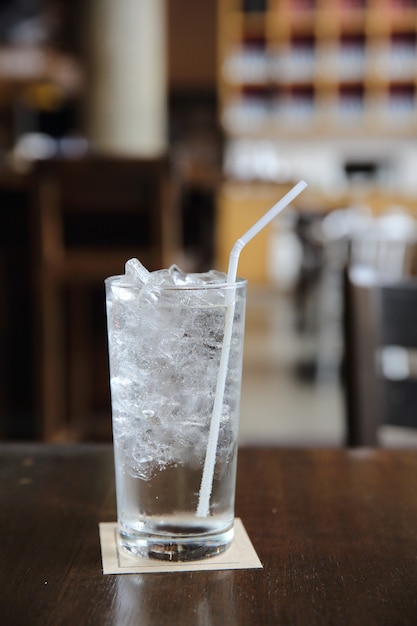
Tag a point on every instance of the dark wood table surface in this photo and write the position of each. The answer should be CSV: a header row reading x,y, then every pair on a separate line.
x,y
336,531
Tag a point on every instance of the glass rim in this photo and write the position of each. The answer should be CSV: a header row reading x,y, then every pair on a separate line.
x,y
117,279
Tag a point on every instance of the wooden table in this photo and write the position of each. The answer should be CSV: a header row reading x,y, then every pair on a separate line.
x,y
335,530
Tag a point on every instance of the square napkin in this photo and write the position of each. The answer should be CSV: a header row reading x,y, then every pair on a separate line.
x,y
240,555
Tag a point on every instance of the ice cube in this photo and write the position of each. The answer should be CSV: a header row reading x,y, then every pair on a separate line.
x,y
171,277
121,294
158,290
213,277
161,278
178,277
137,272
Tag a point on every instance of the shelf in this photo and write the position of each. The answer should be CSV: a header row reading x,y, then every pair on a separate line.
x,y
23,68
323,66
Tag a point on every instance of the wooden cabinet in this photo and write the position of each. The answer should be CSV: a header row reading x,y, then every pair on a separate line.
x,y
288,68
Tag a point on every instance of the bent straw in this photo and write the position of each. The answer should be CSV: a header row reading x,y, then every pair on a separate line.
x,y
210,460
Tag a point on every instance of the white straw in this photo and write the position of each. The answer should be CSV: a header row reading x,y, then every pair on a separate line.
x,y
210,460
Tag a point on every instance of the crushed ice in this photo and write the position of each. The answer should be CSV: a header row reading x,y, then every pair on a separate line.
x,y
153,333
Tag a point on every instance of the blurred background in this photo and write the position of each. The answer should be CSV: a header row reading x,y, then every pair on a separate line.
x,y
163,130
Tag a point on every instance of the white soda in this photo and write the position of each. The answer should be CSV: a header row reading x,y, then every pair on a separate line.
x,y
165,342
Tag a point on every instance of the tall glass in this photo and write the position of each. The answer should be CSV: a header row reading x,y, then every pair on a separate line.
x,y
165,346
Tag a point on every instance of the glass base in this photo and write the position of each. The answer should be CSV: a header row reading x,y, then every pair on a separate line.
x,y
175,548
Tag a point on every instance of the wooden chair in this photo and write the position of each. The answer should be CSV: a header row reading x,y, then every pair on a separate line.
x,y
90,216
380,336
4,323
